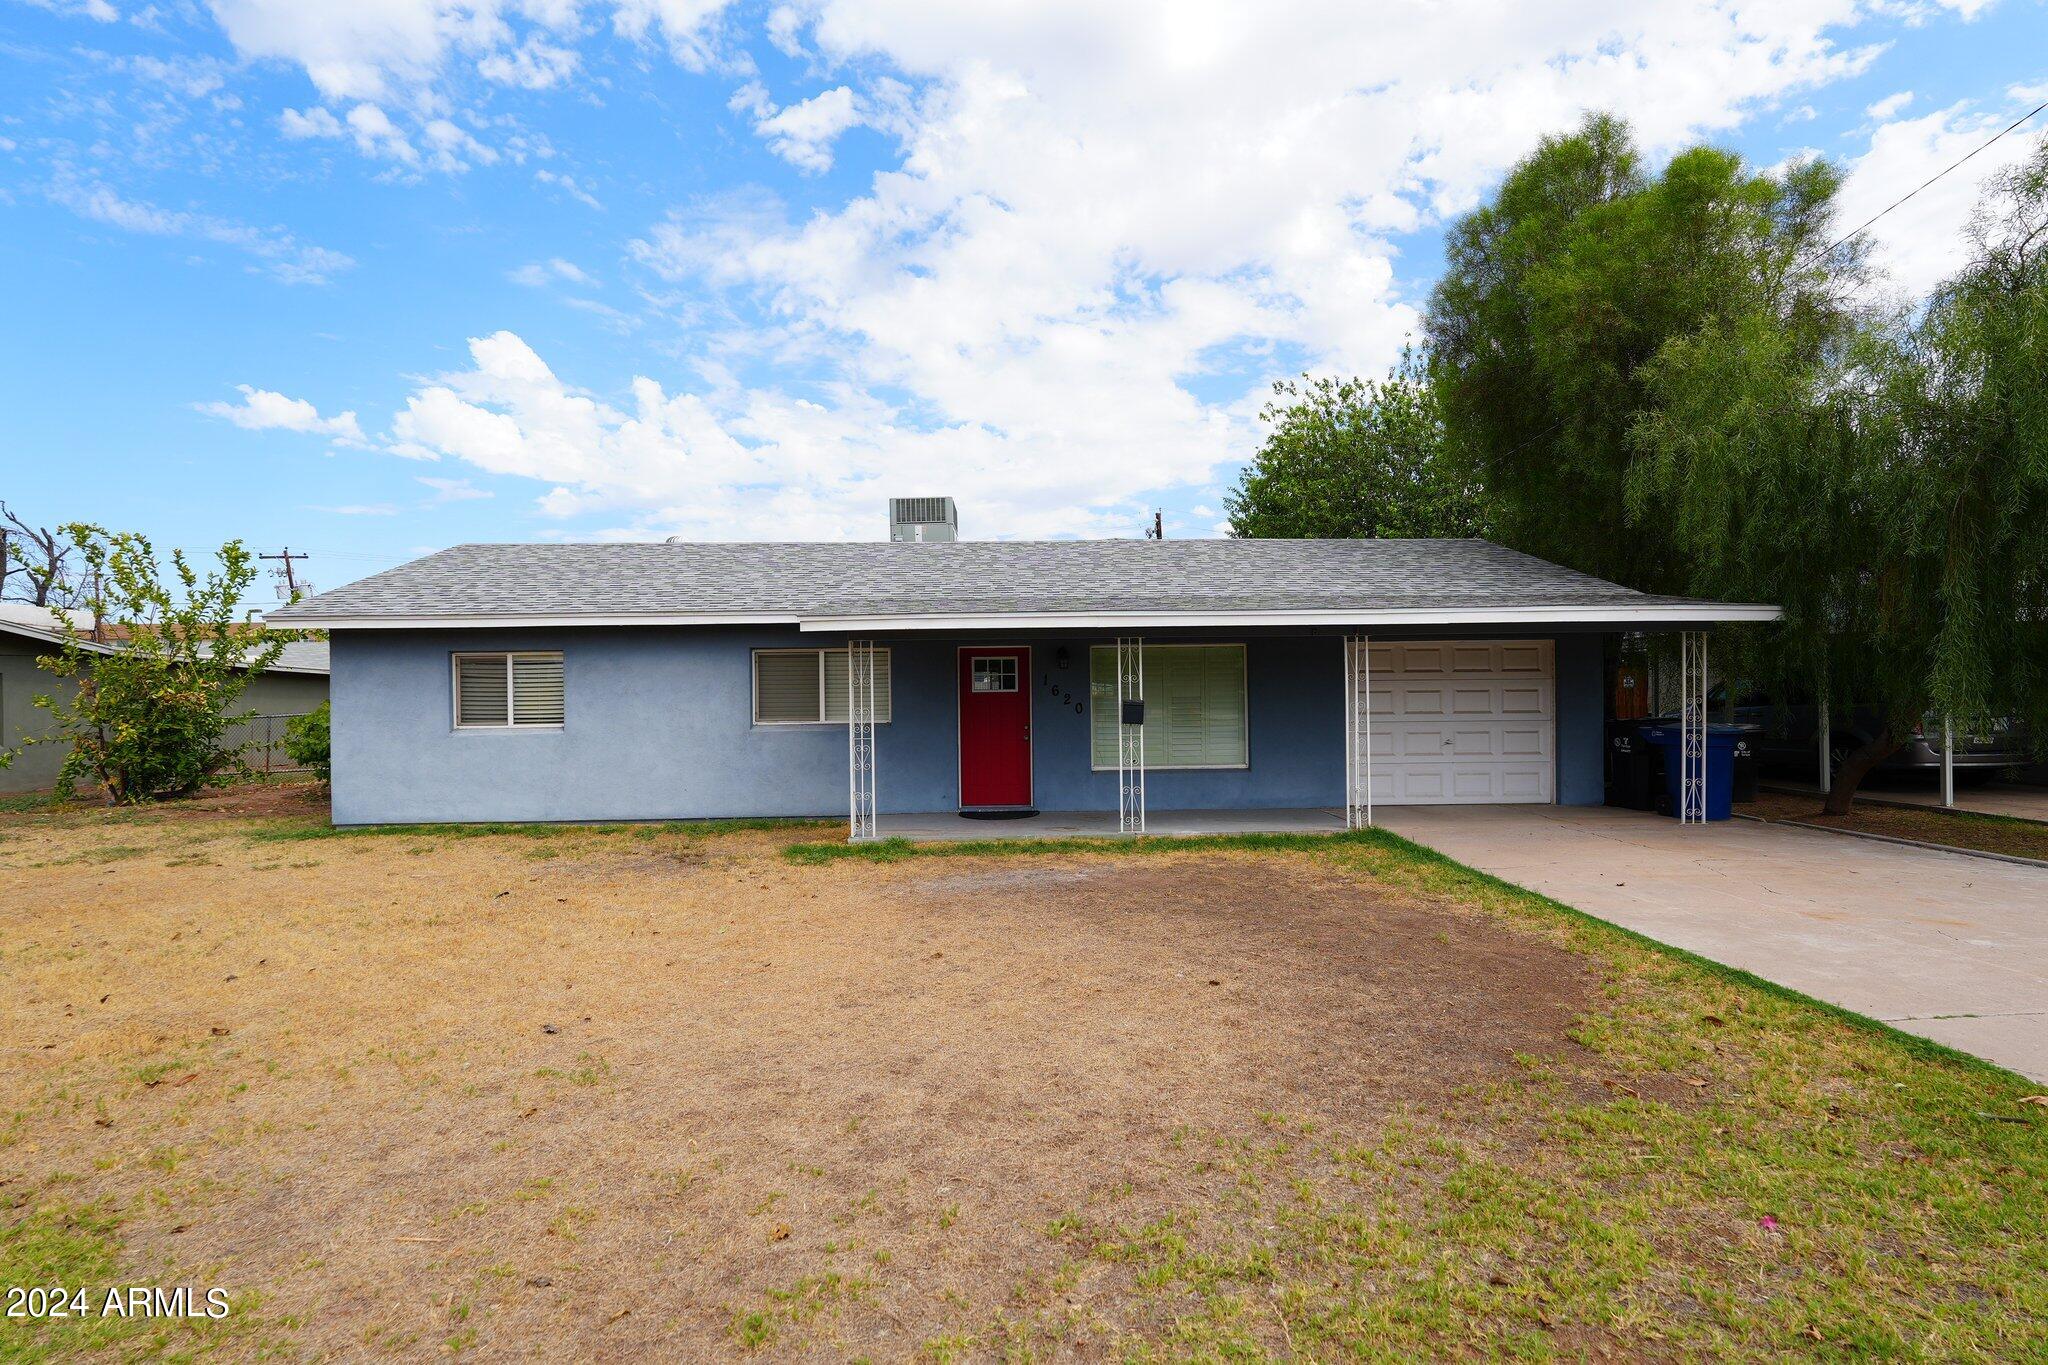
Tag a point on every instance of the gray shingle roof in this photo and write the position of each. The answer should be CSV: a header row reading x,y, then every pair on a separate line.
x,y
965,578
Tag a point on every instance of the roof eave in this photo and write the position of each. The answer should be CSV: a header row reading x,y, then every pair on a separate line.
x,y
1609,614
1623,616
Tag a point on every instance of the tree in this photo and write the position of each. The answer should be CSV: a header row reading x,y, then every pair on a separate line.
x,y
149,717
1559,296
1894,498
1349,458
308,740
33,563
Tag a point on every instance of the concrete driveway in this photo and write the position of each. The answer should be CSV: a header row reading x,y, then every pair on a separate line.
x,y
1953,948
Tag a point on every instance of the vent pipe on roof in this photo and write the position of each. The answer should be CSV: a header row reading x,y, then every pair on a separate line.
x,y
923,519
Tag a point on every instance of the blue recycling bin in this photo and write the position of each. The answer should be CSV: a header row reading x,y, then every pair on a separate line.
x,y
1721,742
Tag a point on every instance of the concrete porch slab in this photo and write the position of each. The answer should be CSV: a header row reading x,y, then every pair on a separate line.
x,y
1093,824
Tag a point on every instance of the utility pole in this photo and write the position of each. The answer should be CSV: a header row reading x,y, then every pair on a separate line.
x,y
1158,531
291,582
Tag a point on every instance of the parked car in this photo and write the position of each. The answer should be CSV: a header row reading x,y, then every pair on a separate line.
x,y
1786,741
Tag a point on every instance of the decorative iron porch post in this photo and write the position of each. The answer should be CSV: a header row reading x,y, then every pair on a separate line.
x,y
1130,737
860,738
1357,732
1692,727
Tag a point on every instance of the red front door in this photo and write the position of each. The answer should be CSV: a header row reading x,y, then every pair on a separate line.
x,y
995,727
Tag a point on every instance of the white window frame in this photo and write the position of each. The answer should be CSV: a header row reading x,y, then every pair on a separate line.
x,y
511,722
754,689
1244,664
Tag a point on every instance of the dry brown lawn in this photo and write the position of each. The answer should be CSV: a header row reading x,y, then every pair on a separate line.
x,y
1957,829
663,1095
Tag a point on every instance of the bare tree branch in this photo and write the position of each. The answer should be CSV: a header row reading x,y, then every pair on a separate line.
x,y
38,564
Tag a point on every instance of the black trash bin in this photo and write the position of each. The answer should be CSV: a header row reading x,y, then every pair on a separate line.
x,y
1633,767
1745,761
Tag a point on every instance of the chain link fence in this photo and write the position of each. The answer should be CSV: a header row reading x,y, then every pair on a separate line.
x,y
265,737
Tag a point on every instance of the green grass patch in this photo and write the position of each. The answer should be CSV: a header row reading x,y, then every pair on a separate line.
x,y
78,1248
292,831
897,850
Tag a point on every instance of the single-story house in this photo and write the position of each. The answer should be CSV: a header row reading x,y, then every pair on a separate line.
x,y
294,685
890,679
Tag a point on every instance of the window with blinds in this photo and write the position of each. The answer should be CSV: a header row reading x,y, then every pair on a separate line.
x,y
1194,706
809,686
505,691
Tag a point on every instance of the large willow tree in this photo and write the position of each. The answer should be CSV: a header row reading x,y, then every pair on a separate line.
x,y
1893,498
1668,379
1559,296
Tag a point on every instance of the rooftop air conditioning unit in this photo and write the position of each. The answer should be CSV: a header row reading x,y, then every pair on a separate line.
x,y
923,519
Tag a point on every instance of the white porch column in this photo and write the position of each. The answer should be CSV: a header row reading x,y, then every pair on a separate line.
x,y
1825,740
1948,761
1692,727
1130,738
1357,732
860,738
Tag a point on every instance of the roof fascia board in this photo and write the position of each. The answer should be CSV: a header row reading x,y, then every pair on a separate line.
x,y
527,621
1704,614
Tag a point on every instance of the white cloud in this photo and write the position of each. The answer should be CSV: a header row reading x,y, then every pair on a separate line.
x,y
265,410
535,64
377,136
98,10
685,24
276,253
193,77
453,490
803,133
1890,105
538,273
567,185
314,122
1921,242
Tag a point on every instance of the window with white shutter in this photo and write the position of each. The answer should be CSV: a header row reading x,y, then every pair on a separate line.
x,y
809,686
509,691
1195,709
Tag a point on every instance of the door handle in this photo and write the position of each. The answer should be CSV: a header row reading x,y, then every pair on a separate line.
x,y
1027,731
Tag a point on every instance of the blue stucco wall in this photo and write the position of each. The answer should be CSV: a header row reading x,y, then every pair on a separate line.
x,y
659,726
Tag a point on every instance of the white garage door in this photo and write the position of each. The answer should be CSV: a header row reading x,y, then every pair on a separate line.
x,y
1463,721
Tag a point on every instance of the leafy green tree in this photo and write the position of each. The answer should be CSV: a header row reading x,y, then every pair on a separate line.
x,y
1348,458
148,717
1894,498
308,740
1559,296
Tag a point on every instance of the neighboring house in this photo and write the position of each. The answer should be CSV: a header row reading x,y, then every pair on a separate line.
x,y
294,685
673,681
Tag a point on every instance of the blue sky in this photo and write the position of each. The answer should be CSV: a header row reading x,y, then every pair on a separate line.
x,y
373,277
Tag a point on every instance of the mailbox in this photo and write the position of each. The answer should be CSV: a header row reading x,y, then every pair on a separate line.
x,y
1134,712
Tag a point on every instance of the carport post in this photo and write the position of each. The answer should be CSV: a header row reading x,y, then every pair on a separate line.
x,y
1824,740
1948,761
1692,727
1357,732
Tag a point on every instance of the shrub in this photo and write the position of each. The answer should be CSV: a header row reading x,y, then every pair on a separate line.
x,y
151,708
306,740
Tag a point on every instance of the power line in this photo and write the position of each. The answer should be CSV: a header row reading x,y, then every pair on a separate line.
x,y
2023,118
